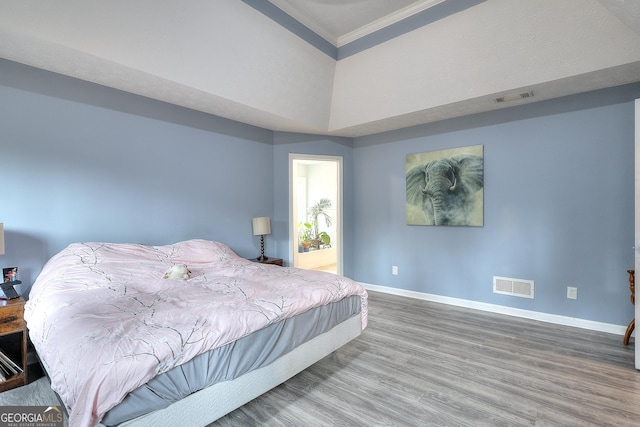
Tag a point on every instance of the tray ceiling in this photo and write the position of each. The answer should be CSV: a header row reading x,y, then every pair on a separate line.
x,y
230,60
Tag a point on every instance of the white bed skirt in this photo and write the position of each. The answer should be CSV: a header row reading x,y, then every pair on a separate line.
x,y
207,405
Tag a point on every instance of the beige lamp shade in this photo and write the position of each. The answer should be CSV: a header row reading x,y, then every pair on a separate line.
x,y
261,226
1,238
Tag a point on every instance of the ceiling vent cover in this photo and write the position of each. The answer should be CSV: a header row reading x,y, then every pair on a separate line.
x,y
515,96
515,287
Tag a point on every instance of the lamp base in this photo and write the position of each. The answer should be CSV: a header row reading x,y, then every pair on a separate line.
x,y
262,257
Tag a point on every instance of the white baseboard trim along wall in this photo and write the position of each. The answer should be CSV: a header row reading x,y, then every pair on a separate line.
x,y
527,314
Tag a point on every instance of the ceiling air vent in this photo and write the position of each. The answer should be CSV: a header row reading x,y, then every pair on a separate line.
x,y
515,96
515,287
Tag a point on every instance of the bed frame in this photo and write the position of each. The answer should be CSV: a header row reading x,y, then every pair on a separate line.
x,y
207,405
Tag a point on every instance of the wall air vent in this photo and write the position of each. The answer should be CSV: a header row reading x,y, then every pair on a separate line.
x,y
515,96
515,287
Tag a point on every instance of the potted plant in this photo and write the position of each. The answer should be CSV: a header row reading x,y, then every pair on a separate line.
x,y
304,235
315,211
324,237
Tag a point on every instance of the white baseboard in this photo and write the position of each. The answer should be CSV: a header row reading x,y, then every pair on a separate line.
x,y
527,314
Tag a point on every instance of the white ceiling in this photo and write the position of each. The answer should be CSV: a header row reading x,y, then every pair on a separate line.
x,y
228,59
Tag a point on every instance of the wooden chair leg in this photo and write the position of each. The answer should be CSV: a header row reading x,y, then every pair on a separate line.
x,y
630,328
632,289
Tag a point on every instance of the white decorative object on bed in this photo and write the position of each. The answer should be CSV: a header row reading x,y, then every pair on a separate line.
x,y
177,272
116,339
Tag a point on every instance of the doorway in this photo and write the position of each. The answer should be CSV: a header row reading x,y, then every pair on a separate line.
x,y
315,201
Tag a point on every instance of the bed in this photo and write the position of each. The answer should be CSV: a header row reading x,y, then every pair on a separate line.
x,y
124,346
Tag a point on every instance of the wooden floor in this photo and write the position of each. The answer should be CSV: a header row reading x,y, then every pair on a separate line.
x,y
421,364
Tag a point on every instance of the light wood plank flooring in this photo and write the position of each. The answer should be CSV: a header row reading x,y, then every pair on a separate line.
x,y
426,364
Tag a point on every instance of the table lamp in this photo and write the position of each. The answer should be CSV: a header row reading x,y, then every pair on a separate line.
x,y
261,226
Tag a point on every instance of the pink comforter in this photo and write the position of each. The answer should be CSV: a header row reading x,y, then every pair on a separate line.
x,y
104,321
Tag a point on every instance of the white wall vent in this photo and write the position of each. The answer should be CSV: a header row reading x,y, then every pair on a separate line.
x,y
515,287
514,96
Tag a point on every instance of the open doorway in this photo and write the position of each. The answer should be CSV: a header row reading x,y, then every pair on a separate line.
x,y
315,201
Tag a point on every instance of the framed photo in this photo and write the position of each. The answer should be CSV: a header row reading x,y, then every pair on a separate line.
x,y
10,274
446,187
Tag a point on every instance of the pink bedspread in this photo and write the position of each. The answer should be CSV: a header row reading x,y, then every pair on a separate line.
x,y
104,321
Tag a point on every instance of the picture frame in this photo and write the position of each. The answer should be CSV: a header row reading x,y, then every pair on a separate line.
x,y
446,187
10,274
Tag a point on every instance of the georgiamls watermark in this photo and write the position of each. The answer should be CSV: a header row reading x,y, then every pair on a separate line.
x,y
31,416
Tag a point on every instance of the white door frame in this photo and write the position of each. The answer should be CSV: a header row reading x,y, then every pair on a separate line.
x,y
637,223
293,243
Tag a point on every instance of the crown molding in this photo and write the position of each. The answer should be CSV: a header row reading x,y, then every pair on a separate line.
x,y
386,21
304,20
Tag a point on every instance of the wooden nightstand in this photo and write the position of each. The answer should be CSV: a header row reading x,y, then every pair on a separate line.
x,y
270,260
13,342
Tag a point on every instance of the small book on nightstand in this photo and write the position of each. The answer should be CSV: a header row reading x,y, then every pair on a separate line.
x,y
8,367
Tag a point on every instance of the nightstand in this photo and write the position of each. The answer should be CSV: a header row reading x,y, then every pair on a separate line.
x,y
270,260
13,344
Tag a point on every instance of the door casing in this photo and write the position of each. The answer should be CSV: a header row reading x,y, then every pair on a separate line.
x,y
293,220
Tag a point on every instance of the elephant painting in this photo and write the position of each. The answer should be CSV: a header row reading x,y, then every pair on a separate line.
x,y
446,189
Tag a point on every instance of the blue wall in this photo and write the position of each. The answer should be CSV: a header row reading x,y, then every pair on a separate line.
x,y
82,162
558,207
85,162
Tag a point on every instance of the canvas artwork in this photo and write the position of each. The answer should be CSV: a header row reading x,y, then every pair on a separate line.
x,y
446,187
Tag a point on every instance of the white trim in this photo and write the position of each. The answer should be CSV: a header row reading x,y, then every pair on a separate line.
x,y
305,20
385,21
510,311
341,40
636,233
338,221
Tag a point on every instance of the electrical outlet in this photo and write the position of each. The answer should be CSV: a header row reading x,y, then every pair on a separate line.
x,y
394,270
572,293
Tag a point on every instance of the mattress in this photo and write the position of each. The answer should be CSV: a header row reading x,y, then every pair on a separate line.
x,y
207,405
226,363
